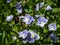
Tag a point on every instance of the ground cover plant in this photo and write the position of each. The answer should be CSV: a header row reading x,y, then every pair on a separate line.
x,y
29,22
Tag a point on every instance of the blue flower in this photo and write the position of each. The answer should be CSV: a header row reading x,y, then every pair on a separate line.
x,y
19,7
32,36
48,8
23,34
28,19
19,10
8,1
42,21
41,4
53,37
37,7
9,18
27,38
52,26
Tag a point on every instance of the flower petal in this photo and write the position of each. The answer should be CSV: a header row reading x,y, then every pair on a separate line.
x,y
37,37
31,40
52,26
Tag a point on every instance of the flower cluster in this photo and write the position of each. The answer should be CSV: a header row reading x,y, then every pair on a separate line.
x,y
28,36
40,5
31,36
29,19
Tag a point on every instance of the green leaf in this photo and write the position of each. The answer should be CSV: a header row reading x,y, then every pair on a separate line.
x,y
55,10
3,36
45,31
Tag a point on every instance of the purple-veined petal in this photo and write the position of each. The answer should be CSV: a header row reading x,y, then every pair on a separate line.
x,y
31,40
48,8
37,37
41,4
23,34
53,37
42,21
52,26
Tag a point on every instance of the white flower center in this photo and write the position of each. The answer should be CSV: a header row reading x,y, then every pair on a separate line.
x,y
42,24
27,19
52,27
42,21
33,35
